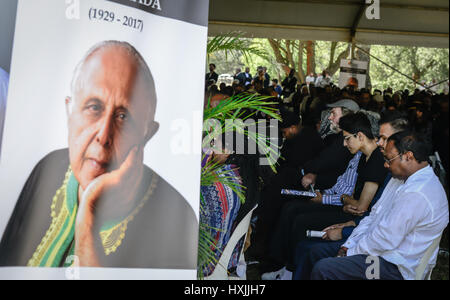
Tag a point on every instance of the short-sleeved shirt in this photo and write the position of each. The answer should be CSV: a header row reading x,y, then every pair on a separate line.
x,y
372,170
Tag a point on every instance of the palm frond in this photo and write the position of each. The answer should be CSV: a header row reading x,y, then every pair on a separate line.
x,y
245,101
242,107
239,107
231,43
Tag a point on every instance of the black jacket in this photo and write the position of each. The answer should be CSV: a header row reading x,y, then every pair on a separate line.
x,y
330,163
212,75
300,149
162,234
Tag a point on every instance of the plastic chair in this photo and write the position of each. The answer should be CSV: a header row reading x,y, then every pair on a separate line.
x,y
221,269
420,270
438,168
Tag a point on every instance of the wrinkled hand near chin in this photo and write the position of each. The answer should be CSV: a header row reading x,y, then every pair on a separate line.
x,y
111,194
107,197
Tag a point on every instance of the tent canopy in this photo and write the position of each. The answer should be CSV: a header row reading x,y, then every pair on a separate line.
x,y
402,22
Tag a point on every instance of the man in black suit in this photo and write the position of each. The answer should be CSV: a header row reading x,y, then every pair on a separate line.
x,y
301,144
212,74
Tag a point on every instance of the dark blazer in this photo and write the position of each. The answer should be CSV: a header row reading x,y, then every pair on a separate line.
x,y
212,75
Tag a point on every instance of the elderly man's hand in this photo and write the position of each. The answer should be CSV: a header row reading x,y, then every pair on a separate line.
x,y
107,197
111,192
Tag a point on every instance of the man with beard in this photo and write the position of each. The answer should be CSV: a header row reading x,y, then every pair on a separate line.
x,y
324,170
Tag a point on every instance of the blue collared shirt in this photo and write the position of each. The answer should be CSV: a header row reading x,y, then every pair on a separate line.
x,y
345,183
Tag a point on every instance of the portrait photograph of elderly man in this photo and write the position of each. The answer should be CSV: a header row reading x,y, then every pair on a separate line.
x,y
97,203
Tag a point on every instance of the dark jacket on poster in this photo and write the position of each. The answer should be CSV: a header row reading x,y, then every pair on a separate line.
x,y
162,234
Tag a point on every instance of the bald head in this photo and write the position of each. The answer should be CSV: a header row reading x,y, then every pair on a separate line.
x,y
111,110
119,57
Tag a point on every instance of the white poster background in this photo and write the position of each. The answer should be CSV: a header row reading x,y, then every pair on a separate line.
x,y
355,64
48,46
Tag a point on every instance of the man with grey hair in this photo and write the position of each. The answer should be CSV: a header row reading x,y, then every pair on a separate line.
x,y
96,204
324,170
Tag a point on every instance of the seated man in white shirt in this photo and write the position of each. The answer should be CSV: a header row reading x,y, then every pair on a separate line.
x,y
4,79
323,80
310,78
397,236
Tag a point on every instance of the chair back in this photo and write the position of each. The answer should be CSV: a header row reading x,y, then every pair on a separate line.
x,y
221,269
420,270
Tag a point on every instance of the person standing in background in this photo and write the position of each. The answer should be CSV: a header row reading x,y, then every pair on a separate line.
x,y
266,78
212,74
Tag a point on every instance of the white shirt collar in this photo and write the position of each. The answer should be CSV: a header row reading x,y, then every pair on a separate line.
x,y
422,172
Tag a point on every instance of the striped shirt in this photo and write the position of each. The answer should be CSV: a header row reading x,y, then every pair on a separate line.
x,y
345,183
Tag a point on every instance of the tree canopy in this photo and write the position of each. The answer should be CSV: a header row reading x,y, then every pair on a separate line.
x,y
422,64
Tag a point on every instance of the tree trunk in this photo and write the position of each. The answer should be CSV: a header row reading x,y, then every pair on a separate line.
x,y
300,72
311,57
335,64
284,54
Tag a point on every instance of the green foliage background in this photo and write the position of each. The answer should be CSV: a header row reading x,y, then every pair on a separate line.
x,y
428,63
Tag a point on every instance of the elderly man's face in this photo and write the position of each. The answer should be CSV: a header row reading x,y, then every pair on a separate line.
x,y
110,114
335,116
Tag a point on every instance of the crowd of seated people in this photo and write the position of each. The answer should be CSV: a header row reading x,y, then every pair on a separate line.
x,y
364,155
